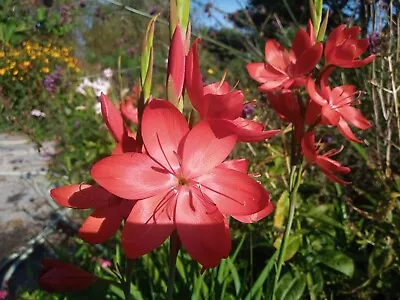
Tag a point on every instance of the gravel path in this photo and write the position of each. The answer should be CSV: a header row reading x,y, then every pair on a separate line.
x,y
24,210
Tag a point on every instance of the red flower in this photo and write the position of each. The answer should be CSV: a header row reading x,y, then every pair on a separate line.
x,y
217,101
58,276
336,107
327,165
343,48
115,124
109,210
180,185
286,69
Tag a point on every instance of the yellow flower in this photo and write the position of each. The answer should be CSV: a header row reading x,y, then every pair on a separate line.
x,y
21,78
33,56
15,72
2,54
2,72
46,60
45,70
26,64
210,71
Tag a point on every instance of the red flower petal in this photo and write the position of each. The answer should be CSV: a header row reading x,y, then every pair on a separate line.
x,y
132,176
82,196
301,42
307,146
112,118
346,131
217,88
267,210
163,127
262,72
276,55
240,165
206,147
331,41
251,131
228,106
354,117
307,61
234,192
149,223
312,92
200,225
102,224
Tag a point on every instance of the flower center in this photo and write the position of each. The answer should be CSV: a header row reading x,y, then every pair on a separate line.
x,y
182,180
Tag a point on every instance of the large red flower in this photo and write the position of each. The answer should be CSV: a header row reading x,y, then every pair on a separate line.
x,y
343,47
287,69
218,101
108,210
180,184
327,165
336,109
58,276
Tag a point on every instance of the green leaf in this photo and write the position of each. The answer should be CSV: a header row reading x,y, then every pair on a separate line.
x,y
337,261
257,286
322,29
290,288
292,246
282,209
319,213
235,275
146,59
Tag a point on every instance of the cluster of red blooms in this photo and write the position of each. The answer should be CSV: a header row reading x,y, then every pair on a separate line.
x,y
287,71
178,178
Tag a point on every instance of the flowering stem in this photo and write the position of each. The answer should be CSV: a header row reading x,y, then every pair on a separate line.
x,y
295,179
174,245
128,279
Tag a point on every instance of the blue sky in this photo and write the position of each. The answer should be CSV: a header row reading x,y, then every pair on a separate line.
x,y
217,18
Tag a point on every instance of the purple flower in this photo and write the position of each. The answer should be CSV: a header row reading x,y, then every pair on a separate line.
x,y
374,42
249,109
77,124
52,80
3,294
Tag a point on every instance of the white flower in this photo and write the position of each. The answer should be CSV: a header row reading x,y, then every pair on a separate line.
x,y
97,108
108,73
38,113
100,85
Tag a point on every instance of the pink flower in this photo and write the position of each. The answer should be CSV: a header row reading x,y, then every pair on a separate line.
x,y
343,48
181,184
287,69
217,102
327,165
336,107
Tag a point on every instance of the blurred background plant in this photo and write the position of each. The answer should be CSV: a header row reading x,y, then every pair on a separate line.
x,y
57,56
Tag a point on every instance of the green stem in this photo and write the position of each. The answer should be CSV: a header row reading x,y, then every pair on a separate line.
x,y
294,183
128,279
174,245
